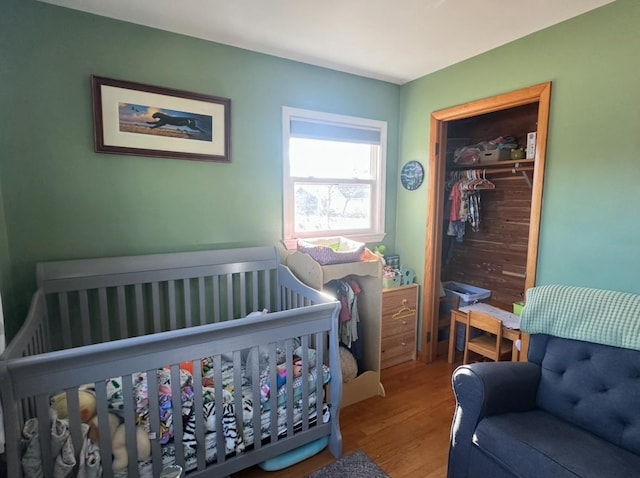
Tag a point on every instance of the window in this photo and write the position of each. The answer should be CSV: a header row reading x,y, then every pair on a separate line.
x,y
333,176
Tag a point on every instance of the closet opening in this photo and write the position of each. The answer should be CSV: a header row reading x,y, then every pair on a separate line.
x,y
496,249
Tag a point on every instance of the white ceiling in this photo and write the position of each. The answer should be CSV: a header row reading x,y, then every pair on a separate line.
x,y
395,41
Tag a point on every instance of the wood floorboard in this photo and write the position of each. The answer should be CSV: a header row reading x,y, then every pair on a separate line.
x,y
406,433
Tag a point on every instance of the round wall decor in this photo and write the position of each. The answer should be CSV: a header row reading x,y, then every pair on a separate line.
x,y
412,175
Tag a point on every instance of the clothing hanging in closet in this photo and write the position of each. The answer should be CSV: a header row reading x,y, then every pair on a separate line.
x,y
464,201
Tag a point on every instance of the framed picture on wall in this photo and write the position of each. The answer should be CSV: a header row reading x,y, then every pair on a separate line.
x,y
144,120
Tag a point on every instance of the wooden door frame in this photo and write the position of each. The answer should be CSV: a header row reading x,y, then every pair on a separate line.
x,y
541,94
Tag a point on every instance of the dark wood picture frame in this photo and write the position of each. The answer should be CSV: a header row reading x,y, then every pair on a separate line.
x,y
144,120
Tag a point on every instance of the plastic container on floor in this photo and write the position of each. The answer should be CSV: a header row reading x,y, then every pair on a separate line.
x,y
468,295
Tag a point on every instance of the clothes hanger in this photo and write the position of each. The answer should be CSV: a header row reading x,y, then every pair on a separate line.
x,y
403,311
467,180
483,182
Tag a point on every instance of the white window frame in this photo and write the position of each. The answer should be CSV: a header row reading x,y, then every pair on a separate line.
x,y
376,233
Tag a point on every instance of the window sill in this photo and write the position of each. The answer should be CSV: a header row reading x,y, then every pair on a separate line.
x,y
292,244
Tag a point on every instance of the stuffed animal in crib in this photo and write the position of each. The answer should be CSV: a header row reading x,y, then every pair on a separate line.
x,y
87,402
118,445
281,376
117,432
94,431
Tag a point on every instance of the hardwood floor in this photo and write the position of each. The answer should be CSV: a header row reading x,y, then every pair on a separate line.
x,y
406,433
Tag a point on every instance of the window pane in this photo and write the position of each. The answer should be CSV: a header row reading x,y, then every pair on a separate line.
x,y
332,207
330,159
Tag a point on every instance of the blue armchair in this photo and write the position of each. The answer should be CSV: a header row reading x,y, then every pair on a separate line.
x,y
572,410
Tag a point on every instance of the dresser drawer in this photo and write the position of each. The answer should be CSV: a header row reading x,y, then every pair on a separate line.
x,y
397,349
400,324
395,300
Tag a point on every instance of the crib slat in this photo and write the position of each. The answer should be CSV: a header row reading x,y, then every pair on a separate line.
x,y
40,342
198,413
73,410
40,303
104,314
217,380
273,395
141,329
176,404
321,346
216,295
287,302
202,300
289,385
85,318
237,391
256,424
171,286
31,407
102,409
305,382
268,293
14,419
64,317
291,299
130,425
154,421
44,432
230,311
254,290
22,413
122,312
243,296
155,296
186,285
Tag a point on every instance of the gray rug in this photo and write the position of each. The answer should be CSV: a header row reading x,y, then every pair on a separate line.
x,y
356,465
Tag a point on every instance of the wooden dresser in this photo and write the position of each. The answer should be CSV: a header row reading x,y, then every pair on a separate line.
x,y
399,325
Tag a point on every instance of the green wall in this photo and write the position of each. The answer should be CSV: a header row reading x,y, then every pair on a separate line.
x,y
590,227
62,200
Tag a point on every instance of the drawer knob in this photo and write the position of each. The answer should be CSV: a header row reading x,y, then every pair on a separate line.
x,y
403,344
404,322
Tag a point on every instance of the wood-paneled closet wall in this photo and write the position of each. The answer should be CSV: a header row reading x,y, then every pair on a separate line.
x,y
495,257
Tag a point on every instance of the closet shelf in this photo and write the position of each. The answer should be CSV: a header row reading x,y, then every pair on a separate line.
x,y
512,163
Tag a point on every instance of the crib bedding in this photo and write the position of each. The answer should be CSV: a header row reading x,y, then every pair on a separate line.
x,y
236,438
169,453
